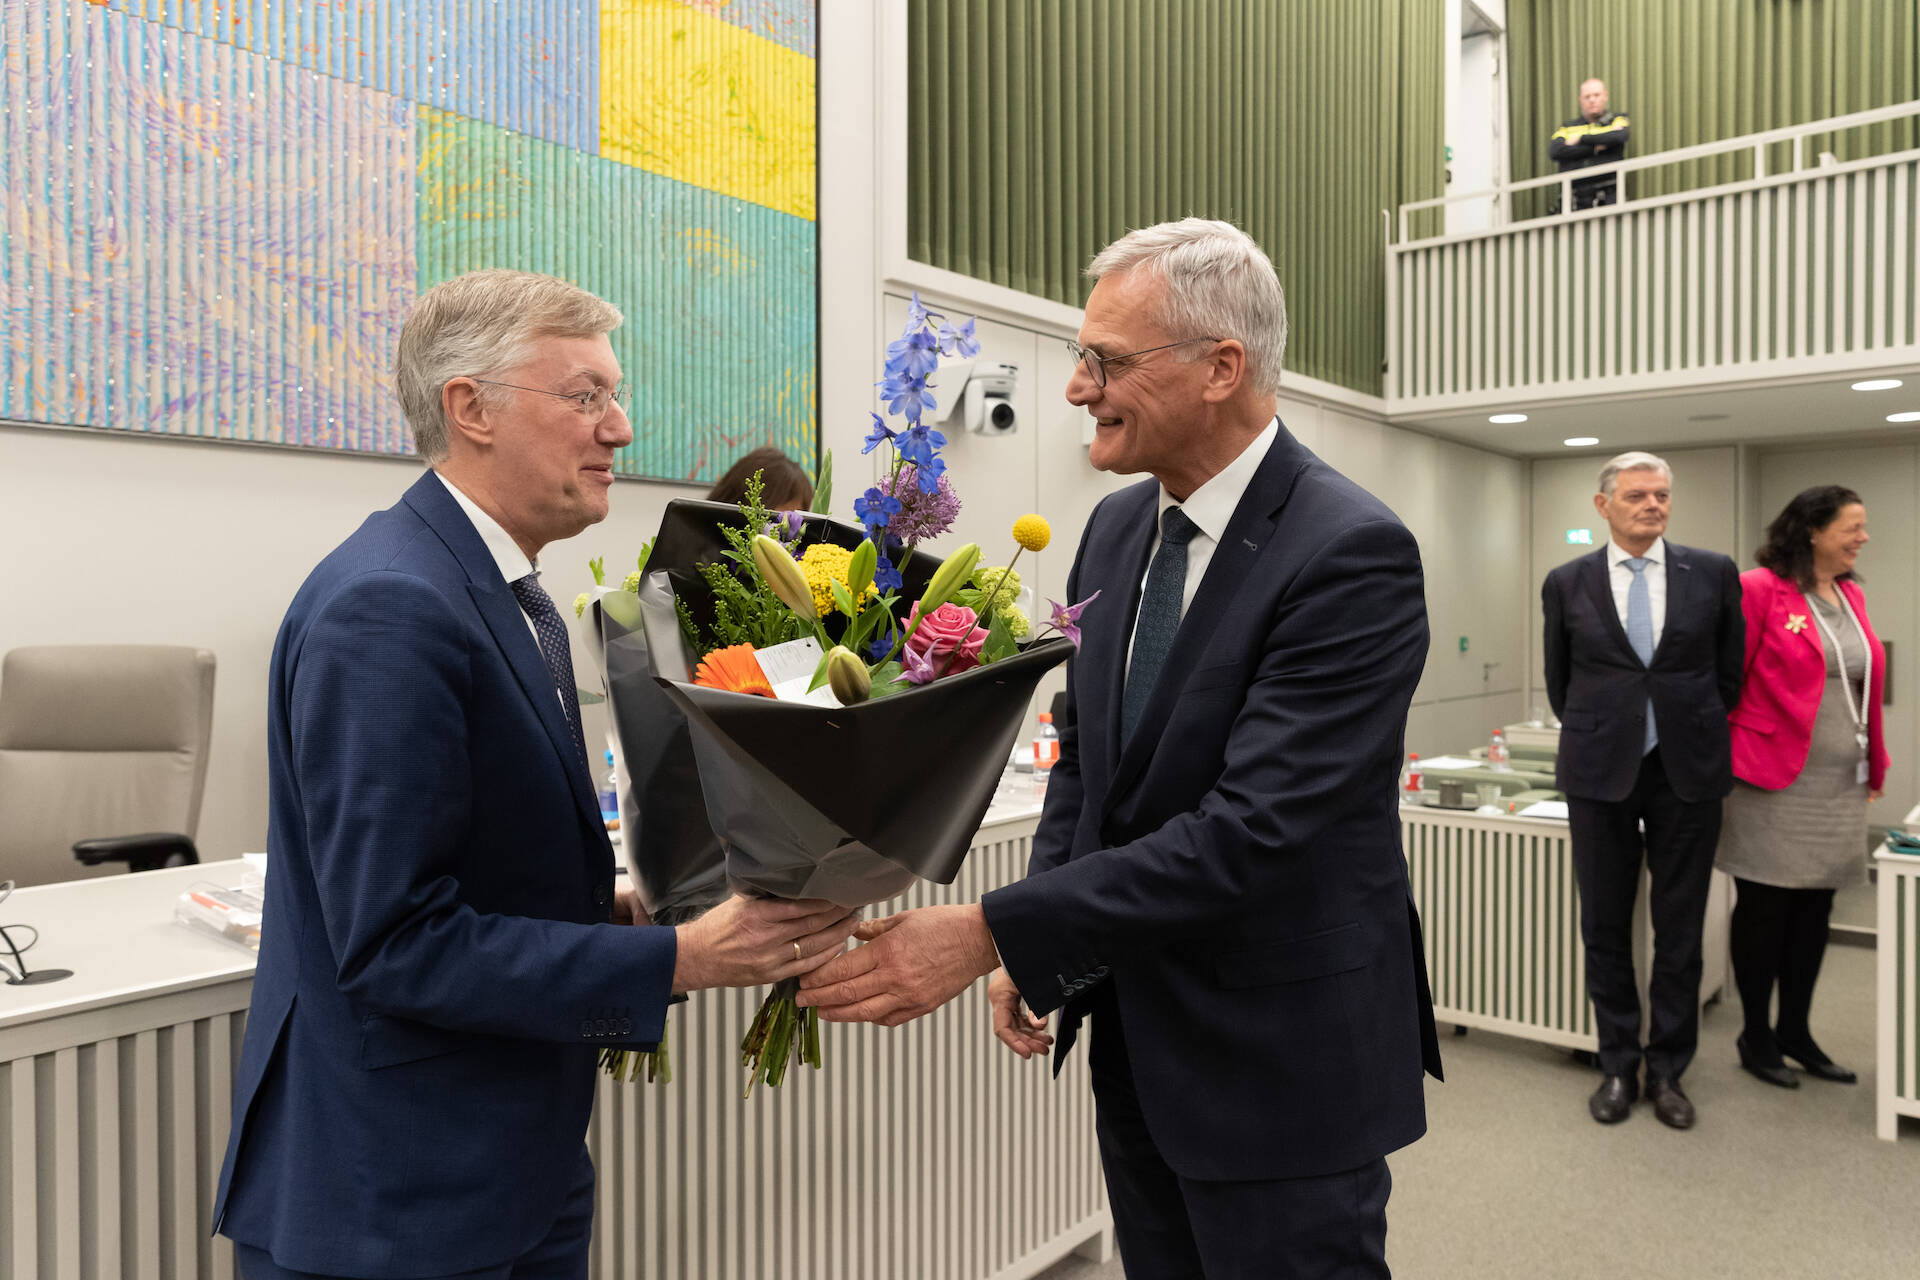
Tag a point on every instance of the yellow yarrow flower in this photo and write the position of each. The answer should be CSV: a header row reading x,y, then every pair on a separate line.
x,y
823,564
1032,532
580,603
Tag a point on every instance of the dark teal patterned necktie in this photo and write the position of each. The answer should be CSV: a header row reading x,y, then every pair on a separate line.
x,y
1159,616
554,650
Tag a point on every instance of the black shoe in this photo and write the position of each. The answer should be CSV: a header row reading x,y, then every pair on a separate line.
x,y
1671,1105
1817,1064
1612,1102
1774,1072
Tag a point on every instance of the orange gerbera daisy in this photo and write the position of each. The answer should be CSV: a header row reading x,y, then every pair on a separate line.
x,y
733,668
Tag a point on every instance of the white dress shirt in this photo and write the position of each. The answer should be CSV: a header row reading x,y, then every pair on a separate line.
x,y
1210,507
506,553
1655,573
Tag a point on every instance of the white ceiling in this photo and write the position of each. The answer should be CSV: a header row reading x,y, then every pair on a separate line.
x,y
1740,414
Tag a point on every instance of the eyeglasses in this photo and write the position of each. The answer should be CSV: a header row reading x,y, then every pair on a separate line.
x,y
592,403
1097,363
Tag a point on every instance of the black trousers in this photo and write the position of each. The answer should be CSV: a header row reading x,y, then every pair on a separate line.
x,y
1332,1227
1608,851
1779,936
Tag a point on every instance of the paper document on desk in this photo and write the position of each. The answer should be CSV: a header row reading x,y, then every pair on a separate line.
x,y
1545,809
1452,762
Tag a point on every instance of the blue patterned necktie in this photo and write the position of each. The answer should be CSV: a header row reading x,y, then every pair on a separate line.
x,y
1159,619
552,631
1640,632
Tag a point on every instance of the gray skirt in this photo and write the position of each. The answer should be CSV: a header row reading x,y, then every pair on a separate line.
x,y
1812,834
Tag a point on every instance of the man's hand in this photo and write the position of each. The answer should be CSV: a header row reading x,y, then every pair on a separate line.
x,y
627,908
1874,794
747,942
912,964
1014,1025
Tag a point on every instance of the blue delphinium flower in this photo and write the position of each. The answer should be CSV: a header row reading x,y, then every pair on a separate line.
x,y
959,341
885,576
878,436
875,507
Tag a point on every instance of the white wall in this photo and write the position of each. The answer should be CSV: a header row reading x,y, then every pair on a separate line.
x,y
118,539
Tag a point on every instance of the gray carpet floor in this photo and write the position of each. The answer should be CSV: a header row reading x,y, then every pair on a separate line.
x,y
1514,1180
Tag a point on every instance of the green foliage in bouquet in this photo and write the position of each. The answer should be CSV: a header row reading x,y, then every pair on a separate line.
x,y
744,612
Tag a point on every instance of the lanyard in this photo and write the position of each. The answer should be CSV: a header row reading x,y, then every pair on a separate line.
x,y
1840,660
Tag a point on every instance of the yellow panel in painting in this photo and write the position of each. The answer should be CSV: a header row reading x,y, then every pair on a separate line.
x,y
699,100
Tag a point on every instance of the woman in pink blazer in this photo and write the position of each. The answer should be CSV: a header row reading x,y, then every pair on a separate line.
x,y
1808,755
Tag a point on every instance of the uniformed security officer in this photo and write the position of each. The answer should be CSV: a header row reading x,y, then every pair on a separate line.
x,y
1595,136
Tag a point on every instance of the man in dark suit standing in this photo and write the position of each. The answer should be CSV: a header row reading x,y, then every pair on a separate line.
x,y
1644,649
439,962
1217,879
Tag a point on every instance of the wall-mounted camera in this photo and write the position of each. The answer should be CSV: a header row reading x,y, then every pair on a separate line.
x,y
984,404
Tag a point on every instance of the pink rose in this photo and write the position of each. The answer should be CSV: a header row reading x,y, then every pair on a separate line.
x,y
942,632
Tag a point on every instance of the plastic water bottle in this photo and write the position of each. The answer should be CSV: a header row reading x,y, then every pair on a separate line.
x,y
1046,746
1410,779
610,796
1497,753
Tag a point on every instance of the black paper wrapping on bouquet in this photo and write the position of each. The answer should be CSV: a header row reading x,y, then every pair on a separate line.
x,y
851,804
788,799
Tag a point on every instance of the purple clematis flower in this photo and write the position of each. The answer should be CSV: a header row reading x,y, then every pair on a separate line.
x,y
1066,618
916,668
786,525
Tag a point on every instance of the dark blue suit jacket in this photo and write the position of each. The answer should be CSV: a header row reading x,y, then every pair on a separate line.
x,y
1599,687
1235,870
437,970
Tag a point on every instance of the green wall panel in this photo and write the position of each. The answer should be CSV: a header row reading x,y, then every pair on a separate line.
x,y
1047,128
1694,71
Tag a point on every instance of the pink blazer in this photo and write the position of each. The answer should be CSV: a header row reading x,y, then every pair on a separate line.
x,y
1786,672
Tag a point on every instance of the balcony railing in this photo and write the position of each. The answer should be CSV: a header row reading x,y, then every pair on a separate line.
x,y
1795,268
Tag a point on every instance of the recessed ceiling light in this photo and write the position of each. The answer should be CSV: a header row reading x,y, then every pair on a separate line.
x,y
1504,418
1706,417
1878,384
1903,417
1580,442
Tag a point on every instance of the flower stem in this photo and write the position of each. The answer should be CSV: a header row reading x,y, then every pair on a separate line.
x,y
987,616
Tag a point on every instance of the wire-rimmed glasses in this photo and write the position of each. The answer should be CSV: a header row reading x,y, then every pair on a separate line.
x,y
593,403
1097,363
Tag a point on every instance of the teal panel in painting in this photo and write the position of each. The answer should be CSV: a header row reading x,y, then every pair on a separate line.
x,y
718,293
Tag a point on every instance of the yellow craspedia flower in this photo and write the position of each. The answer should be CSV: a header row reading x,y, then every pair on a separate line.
x,y
1016,621
823,564
1032,532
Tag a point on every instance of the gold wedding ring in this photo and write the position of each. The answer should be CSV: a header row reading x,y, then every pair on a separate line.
x,y
796,952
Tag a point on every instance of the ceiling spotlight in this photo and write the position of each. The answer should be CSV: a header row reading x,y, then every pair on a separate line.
x,y
1877,384
1504,418
1580,442
1903,417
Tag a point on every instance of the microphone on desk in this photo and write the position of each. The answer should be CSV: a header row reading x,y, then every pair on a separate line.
x,y
24,978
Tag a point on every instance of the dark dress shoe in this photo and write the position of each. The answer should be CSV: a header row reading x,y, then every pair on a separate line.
x,y
1671,1105
1817,1064
1774,1072
1612,1102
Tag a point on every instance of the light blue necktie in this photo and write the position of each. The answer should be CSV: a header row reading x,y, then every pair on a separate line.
x,y
1640,632
1159,618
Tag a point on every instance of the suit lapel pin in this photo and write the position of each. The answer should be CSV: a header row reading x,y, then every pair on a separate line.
x,y
1796,622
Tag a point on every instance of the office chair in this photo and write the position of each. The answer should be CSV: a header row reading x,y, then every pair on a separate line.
x,y
103,758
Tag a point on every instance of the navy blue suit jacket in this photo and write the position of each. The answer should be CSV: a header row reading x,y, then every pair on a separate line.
x,y
1599,687
1235,870
437,970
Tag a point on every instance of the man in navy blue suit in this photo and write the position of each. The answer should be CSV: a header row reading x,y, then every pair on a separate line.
x,y
441,960
1217,878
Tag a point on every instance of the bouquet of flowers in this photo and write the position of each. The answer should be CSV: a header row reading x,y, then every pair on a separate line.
x,y
767,673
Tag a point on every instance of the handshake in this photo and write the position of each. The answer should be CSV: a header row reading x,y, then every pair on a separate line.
x,y
913,962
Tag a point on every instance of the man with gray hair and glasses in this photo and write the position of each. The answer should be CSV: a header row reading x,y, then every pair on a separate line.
x,y
1217,883
1645,654
440,962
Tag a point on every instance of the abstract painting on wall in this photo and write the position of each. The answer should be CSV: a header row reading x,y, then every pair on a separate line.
x,y
216,213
